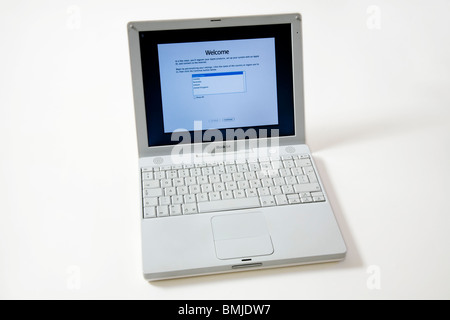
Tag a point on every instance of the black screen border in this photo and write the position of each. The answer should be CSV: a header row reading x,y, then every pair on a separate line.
x,y
149,41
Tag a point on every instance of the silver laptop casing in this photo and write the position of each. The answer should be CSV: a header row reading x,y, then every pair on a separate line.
x,y
183,246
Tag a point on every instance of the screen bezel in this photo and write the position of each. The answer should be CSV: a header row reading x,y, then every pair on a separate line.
x,y
134,28
149,40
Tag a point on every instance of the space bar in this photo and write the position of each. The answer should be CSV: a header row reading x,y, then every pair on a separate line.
x,y
229,204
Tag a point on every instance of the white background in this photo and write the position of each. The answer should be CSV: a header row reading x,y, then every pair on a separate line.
x,y
377,80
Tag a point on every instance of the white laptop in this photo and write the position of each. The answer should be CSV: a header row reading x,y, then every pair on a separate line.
x,y
227,182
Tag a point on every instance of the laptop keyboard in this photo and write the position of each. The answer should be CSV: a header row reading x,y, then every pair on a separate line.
x,y
229,185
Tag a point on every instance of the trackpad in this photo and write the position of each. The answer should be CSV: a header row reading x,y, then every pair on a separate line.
x,y
241,235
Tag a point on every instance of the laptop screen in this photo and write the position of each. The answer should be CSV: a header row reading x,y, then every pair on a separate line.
x,y
217,78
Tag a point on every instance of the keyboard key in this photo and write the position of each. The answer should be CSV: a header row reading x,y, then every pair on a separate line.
x,y
307,187
215,178
267,182
303,179
316,194
190,181
293,198
207,188
182,190
194,189
242,167
207,171
150,202
189,198
272,173
265,165
251,192
214,196
308,169
162,211
306,199
219,186
288,163
172,174
305,194
231,185
274,190
189,208
262,174
267,201
220,169
183,173
231,168
279,181
178,182
170,191
277,164
243,184
165,183
202,179
287,189
255,183
201,197
226,177
227,194
290,180
175,210
159,175
297,171
230,204
195,172
152,192
150,184
302,162
164,201
250,175
264,191
281,199
200,165
149,212
147,175
239,193
312,177
177,199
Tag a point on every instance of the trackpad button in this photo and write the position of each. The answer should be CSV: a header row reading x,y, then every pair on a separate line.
x,y
241,236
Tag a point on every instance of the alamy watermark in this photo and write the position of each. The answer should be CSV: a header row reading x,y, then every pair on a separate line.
x,y
373,281
73,21
73,280
373,21
214,144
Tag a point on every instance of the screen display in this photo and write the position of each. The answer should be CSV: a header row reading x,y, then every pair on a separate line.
x,y
217,78
223,84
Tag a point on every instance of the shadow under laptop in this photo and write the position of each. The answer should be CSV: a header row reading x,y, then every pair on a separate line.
x,y
352,260
328,133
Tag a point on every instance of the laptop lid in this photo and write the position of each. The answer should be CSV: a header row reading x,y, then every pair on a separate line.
x,y
221,80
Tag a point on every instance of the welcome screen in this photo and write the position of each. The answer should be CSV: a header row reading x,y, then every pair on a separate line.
x,y
223,84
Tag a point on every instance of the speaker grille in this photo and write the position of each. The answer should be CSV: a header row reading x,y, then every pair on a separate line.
x,y
290,149
158,160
